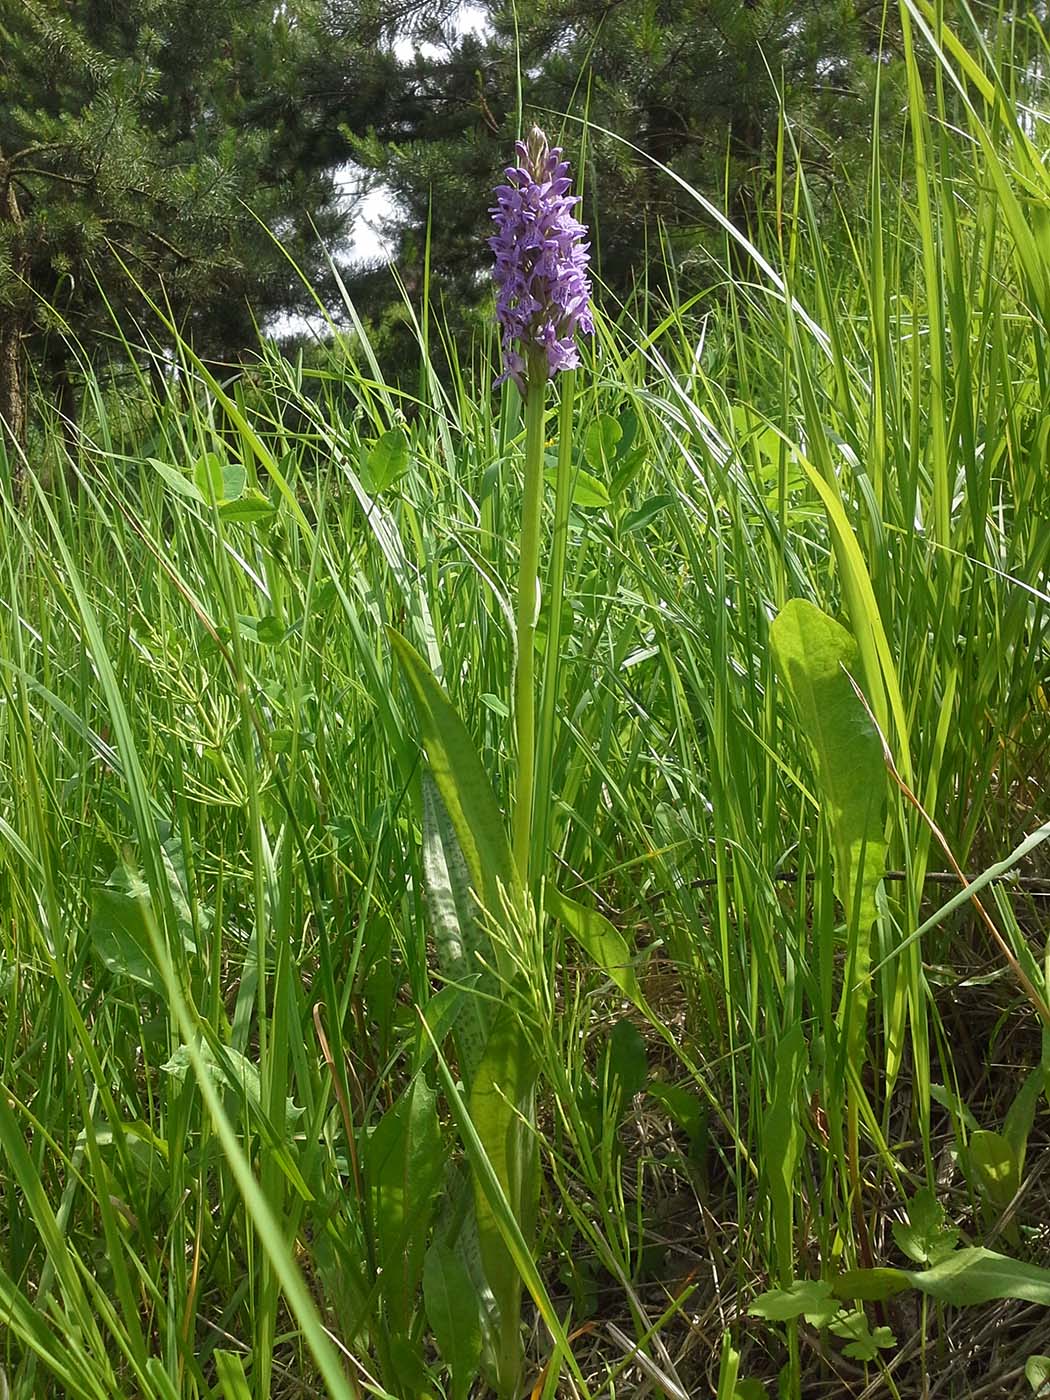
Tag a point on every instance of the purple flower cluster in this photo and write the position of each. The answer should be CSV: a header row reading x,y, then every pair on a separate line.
x,y
541,263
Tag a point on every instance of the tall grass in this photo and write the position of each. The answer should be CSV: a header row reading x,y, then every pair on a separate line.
x,y
236,1155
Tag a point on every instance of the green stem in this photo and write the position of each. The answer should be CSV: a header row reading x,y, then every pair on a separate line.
x,y
552,655
528,574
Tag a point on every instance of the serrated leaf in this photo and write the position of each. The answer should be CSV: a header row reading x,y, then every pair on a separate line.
x,y
864,1344
808,1298
927,1237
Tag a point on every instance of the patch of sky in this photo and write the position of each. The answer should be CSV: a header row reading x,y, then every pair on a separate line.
x,y
374,208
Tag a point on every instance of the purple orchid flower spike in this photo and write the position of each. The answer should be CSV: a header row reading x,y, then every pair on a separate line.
x,y
544,293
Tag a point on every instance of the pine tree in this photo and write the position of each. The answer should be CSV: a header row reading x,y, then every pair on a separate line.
x,y
153,145
691,83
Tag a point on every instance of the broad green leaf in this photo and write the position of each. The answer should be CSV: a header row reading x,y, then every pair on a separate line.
x,y
808,1298
995,1169
600,443
600,940
728,1369
587,491
387,460
955,1106
750,1389
454,1314
404,1166
249,509
782,1144
464,951
1037,1374
500,1105
645,514
268,631
871,1285
464,788
687,1111
628,421
118,932
234,480
966,1278
177,480
1021,1114
813,654
163,1387
628,465
120,914
625,1064
880,674
927,1237
240,1074
518,1246
971,1276
410,1373
207,477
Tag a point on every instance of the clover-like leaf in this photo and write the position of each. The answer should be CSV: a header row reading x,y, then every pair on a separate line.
x,y
926,1237
808,1298
863,1343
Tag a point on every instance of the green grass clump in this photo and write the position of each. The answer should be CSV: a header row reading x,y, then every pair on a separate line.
x,y
774,1050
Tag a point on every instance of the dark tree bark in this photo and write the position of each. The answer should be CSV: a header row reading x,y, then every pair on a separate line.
x,y
12,362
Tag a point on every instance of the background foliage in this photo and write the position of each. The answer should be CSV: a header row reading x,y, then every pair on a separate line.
x,y
783,1023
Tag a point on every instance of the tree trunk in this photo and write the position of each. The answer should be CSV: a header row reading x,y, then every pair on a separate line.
x,y
13,413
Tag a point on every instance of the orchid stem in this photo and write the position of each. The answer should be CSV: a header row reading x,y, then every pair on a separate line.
x,y
528,582
549,686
